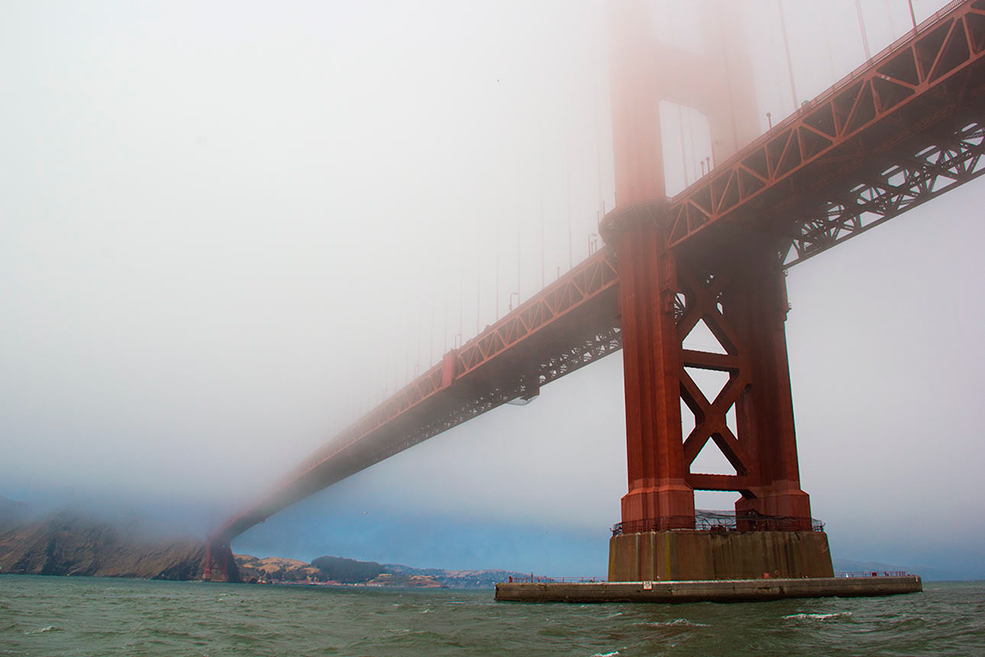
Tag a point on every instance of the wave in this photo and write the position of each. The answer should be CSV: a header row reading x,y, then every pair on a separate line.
x,y
677,622
820,617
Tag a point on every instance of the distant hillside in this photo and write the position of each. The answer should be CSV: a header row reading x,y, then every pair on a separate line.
x,y
459,579
67,543
252,569
339,570
348,571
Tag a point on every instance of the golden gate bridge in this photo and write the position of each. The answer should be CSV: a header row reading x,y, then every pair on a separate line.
x,y
900,130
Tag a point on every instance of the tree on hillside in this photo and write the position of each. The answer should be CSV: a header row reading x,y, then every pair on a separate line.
x,y
348,571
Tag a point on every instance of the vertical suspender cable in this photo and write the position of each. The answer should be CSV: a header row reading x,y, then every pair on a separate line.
x,y
786,50
680,126
461,306
728,87
889,17
827,47
497,268
567,182
478,287
541,195
598,138
542,275
861,27
694,154
518,240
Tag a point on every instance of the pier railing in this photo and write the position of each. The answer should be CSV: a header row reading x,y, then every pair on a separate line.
x,y
720,521
873,573
542,579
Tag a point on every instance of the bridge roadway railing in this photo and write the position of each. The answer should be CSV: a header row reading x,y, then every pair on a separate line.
x,y
566,326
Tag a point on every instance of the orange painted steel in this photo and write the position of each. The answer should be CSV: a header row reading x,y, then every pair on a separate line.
x,y
899,131
651,362
742,300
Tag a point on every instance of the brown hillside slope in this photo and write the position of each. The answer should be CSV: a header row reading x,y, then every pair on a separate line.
x,y
67,544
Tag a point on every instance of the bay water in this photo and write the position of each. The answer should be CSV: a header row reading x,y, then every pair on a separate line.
x,y
91,616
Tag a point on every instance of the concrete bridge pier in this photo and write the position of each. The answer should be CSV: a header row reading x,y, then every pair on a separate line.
x,y
681,555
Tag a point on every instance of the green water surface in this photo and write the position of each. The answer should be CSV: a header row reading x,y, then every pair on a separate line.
x,y
91,616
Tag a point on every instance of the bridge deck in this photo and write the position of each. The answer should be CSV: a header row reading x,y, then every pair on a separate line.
x,y
568,325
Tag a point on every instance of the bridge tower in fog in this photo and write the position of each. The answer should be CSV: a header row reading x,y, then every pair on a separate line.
x,y
734,285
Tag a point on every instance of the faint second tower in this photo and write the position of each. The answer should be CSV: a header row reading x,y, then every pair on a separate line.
x,y
717,82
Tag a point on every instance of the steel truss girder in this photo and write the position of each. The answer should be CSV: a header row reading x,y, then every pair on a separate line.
x,y
566,326
599,344
911,180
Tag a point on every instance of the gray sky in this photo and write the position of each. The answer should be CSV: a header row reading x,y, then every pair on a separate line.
x,y
231,228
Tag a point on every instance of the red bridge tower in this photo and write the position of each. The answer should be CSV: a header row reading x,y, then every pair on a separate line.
x,y
735,285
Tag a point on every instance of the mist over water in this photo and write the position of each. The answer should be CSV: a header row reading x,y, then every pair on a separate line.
x,y
230,230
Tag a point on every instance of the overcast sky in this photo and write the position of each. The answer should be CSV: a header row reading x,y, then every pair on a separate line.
x,y
229,229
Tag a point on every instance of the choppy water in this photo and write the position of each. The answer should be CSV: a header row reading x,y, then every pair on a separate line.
x,y
75,616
